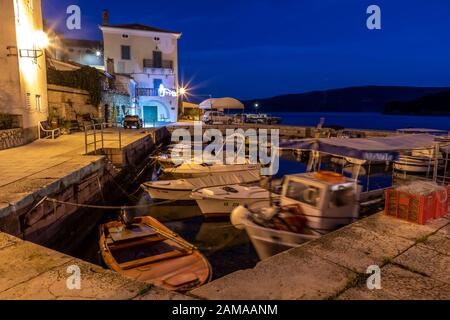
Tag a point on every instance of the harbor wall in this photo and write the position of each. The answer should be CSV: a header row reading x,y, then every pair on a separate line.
x,y
98,181
285,131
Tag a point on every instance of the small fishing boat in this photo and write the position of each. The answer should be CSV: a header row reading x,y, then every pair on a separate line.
x,y
310,205
214,201
147,251
196,170
181,189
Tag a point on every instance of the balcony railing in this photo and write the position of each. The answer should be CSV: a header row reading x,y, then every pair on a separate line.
x,y
155,64
146,92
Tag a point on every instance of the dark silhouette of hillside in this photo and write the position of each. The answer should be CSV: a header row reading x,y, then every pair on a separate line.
x,y
352,99
432,104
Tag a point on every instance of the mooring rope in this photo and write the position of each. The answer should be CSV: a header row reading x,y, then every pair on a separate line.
x,y
93,206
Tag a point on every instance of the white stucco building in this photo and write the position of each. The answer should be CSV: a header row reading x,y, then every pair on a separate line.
x,y
150,56
23,79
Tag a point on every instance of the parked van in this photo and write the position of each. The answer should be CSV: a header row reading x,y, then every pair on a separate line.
x,y
211,117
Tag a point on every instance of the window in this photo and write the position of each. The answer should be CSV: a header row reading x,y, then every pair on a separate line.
x,y
28,101
157,59
304,193
38,103
126,52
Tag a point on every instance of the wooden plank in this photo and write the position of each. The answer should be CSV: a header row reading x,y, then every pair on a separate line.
x,y
153,259
124,245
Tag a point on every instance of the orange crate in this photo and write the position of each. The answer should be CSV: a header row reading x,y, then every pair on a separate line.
x,y
415,208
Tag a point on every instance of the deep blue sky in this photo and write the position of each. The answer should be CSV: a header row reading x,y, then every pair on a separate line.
x,y
255,49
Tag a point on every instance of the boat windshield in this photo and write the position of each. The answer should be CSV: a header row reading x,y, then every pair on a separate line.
x,y
304,193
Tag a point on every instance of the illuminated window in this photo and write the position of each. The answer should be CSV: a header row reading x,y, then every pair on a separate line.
x,y
38,103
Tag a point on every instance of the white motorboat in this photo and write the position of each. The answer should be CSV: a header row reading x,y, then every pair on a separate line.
x,y
419,161
325,200
196,170
181,189
214,201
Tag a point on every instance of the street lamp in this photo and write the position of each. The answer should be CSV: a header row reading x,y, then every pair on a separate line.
x,y
256,105
40,42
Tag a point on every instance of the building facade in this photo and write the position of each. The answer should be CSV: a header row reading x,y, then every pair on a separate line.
x,y
23,81
150,56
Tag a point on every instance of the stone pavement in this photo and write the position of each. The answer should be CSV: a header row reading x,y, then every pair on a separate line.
x,y
414,262
29,271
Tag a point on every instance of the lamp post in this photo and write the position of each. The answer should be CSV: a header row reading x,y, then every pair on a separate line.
x,y
181,93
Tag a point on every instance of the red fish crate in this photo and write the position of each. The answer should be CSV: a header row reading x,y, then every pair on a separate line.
x,y
416,208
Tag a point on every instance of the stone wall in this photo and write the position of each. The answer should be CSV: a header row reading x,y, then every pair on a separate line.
x,y
66,103
11,138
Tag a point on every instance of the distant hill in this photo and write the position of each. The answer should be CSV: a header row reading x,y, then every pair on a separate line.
x,y
352,99
432,104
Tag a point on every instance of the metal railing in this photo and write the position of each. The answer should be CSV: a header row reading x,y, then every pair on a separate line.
x,y
96,134
146,92
155,64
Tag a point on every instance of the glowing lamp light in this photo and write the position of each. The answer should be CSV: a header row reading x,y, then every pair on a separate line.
x,y
98,53
41,39
182,91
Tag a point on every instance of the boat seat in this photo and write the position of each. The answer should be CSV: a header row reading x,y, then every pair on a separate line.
x,y
129,244
153,259
136,231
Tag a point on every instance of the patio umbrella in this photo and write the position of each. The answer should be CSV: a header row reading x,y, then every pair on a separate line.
x,y
222,103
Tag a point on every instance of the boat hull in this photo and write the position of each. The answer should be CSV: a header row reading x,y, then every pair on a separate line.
x,y
269,242
167,194
220,207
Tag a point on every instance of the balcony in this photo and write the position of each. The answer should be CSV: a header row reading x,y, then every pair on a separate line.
x,y
146,92
153,66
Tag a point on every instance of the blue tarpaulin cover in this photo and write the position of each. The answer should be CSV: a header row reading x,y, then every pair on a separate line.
x,y
371,149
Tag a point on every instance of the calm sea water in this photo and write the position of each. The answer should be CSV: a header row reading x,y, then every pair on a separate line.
x,y
364,120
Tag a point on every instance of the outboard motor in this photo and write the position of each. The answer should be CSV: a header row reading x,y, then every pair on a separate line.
x,y
125,217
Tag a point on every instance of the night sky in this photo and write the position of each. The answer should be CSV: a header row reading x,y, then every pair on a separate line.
x,y
255,49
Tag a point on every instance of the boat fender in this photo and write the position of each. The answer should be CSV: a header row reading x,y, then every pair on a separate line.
x,y
238,217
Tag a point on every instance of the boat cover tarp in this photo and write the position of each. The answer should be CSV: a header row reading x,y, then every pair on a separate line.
x,y
370,149
225,179
241,177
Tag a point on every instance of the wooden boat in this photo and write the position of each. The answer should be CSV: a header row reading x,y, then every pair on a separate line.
x,y
214,201
148,251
